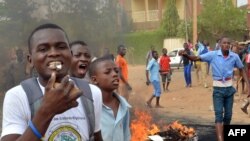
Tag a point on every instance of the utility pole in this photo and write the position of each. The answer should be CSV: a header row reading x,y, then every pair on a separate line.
x,y
194,21
185,17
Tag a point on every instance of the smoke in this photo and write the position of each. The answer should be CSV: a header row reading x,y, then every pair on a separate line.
x,y
99,23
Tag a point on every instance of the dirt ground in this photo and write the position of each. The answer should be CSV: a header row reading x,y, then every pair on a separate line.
x,y
191,106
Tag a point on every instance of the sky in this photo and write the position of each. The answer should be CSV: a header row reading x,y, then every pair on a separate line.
x,y
241,2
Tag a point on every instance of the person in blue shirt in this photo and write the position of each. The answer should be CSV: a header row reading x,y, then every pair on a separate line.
x,y
223,62
153,69
115,117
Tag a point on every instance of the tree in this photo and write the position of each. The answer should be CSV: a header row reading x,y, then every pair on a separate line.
x,y
95,22
171,19
220,17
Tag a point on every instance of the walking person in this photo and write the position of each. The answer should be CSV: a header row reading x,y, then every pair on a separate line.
x,y
187,65
149,55
115,119
124,87
153,70
165,69
223,62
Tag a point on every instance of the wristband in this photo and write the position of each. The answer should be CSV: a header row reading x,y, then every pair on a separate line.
x,y
34,130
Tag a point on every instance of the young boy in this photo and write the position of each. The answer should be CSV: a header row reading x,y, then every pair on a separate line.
x,y
115,110
60,114
153,68
165,69
223,62
80,60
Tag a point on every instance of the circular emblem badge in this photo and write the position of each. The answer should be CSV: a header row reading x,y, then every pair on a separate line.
x,y
65,133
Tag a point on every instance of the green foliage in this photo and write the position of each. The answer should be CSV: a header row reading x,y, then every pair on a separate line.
x,y
221,17
139,44
171,19
184,29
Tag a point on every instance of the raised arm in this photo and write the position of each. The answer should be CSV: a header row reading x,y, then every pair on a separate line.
x,y
190,57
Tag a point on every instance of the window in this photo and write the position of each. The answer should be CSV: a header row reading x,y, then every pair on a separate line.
x,y
172,53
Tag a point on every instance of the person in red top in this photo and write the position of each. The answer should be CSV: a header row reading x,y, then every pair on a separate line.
x,y
121,62
165,69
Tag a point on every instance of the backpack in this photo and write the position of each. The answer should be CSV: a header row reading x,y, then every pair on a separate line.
x,y
34,95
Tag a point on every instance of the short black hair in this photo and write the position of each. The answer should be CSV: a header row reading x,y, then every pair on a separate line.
x,y
41,27
92,66
77,42
154,51
119,47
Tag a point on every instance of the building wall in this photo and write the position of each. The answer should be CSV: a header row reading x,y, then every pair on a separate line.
x,y
145,13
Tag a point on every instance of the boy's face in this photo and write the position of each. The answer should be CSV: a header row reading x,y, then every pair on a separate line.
x,y
225,44
106,76
48,46
164,51
123,51
80,60
155,55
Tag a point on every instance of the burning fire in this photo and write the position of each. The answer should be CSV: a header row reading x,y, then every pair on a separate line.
x,y
182,129
142,127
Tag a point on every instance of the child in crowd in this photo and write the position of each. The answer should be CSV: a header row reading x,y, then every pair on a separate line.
x,y
165,69
115,117
81,58
153,69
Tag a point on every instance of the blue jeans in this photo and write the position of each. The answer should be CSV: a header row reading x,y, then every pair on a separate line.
x,y
223,98
187,74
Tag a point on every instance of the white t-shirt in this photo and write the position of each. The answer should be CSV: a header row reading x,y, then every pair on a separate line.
x,y
70,124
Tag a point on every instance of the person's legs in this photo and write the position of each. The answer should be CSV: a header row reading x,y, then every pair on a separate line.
x,y
204,73
157,88
218,102
186,74
168,81
245,105
228,104
163,79
189,77
149,101
197,72
219,131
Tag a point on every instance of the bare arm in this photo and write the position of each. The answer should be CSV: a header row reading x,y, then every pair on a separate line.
x,y
147,82
244,74
98,136
123,79
190,57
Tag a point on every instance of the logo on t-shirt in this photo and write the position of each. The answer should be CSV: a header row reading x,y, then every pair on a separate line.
x,y
65,133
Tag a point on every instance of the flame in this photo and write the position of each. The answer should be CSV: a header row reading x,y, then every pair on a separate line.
x,y
142,126
182,129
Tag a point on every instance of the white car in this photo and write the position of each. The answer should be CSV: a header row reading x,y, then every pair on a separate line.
x,y
175,57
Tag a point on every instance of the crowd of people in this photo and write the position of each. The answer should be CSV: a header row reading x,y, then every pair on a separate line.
x,y
72,97
229,62
75,97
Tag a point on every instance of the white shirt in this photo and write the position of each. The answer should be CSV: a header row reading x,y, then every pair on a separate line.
x,y
70,124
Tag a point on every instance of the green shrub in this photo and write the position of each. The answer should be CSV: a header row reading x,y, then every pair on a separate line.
x,y
139,43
